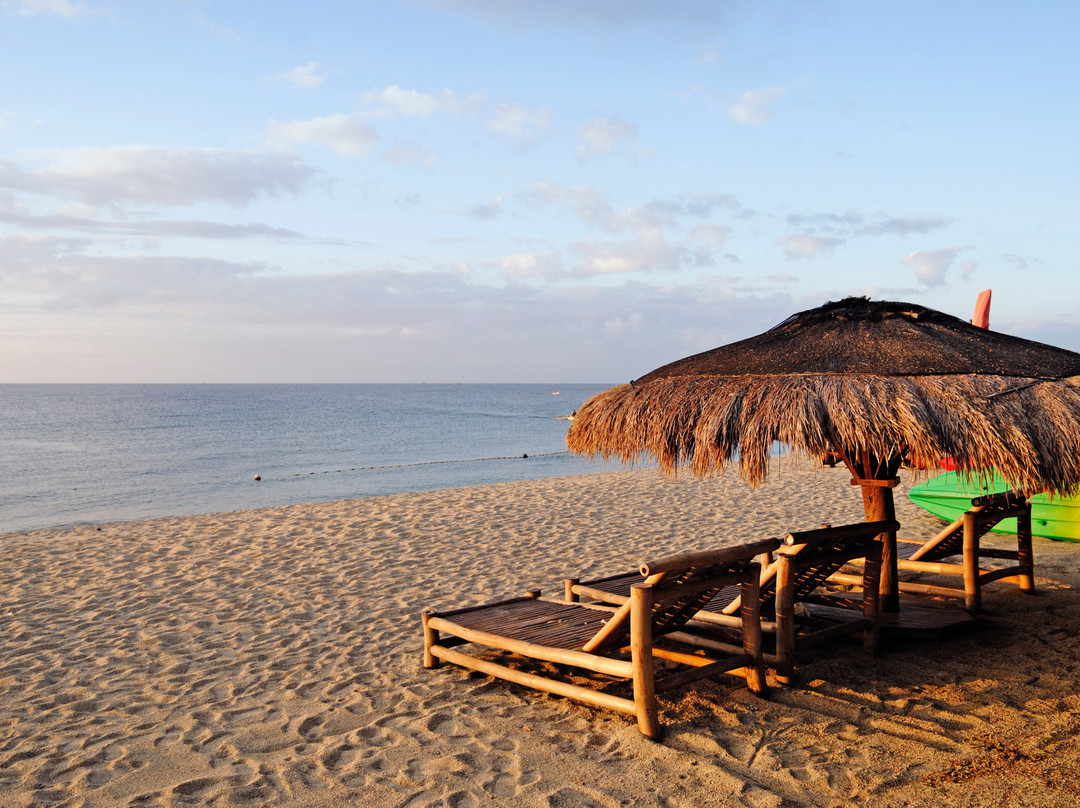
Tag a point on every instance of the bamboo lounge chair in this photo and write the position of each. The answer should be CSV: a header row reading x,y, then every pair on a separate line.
x,y
962,538
796,576
597,637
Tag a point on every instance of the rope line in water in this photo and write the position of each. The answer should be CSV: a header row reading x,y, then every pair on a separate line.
x,y
434,463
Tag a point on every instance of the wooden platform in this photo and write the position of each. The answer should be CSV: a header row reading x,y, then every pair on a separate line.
x,y
918,618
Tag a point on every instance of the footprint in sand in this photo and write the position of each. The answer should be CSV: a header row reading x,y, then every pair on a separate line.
x,y
374,736
196,788
447,726
308,729
463,799
581,798
503,785
340,758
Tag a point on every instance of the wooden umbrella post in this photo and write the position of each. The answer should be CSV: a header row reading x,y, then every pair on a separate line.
x,y
878,505
877,479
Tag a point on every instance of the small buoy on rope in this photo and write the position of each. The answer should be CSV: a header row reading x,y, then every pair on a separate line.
x,y
524,457
258,477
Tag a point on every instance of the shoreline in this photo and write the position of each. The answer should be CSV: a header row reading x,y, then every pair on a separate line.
x,y
273,657
329,498
111,453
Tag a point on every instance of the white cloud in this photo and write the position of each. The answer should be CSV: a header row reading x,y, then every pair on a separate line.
x,y
854,223
703,204
394,101
804,245
713,234
903,225
588,204
931,266
513,119
304,77
61,8
828,222
600,135
647,253
594,208
153,228
530,265
347,135
407,155
753,107
519,123
168,318
619,326
58,274
575,13
158,175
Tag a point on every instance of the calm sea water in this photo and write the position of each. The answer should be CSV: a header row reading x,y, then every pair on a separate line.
x,y
90,453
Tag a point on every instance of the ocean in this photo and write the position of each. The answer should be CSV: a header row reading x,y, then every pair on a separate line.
x,y
73,454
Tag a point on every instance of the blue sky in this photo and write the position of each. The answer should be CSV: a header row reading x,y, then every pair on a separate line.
x,y
507,191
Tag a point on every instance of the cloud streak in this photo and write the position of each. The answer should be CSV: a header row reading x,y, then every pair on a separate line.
x,y
601,135
304,77
156,228
435,324
347,135
932,266
754,107
803,245
606,14
60,8
395,101
150,175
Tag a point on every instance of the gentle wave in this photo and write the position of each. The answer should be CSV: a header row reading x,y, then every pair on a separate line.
x,y
93,453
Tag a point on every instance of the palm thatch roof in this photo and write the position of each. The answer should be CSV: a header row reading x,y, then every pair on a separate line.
x,y
894,379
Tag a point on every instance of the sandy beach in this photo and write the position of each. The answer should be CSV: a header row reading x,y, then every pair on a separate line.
x,y
273,657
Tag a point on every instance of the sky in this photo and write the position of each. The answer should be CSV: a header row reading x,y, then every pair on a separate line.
x,y
517,190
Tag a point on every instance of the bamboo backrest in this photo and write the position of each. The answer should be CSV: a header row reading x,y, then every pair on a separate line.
x,y
821,553
991,509
681,585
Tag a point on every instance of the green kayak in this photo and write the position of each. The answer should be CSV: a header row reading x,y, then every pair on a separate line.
x,y
949,495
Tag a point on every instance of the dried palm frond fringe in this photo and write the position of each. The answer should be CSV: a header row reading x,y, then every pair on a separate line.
x,y
1027,429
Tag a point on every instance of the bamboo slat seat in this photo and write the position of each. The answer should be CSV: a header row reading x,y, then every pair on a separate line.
x,y
962,538
537,620
806,561
622,641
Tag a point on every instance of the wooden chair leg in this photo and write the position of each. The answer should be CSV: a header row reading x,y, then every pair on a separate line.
x,y
641,657
751,629
972,593
431,637
871,599
1025,555
569,595
785,623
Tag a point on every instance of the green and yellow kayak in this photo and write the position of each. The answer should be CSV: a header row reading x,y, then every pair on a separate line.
x,y
949,495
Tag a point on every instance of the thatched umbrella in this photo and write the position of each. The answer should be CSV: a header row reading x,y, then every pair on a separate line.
x,y
875,384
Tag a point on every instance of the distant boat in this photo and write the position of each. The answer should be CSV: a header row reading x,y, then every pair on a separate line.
x,y
949,495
